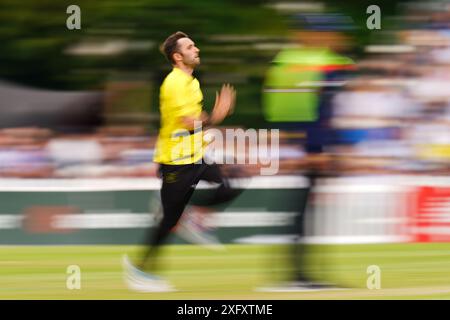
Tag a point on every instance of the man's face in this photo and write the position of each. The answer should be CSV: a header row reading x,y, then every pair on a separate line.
x,y
189,52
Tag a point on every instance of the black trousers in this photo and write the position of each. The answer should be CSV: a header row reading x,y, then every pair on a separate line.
x,y
179,183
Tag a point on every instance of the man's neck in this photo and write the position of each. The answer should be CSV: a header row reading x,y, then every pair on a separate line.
x,y
188,70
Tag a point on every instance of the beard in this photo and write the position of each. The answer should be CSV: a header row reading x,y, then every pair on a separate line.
x,y
192,62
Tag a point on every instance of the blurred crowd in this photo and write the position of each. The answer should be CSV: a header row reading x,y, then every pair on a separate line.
x,y
394,116
41,153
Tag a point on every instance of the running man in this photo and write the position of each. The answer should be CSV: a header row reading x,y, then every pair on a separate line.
x,y
180,151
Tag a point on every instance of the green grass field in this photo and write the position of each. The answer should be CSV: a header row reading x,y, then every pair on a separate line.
x,y
408,271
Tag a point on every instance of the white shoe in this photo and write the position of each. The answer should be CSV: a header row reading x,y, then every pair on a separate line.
x,y
149,286
141,281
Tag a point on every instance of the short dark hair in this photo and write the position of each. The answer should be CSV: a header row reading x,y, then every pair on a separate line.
x,y
170,45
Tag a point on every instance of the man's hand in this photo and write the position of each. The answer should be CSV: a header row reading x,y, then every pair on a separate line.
x,y
224,105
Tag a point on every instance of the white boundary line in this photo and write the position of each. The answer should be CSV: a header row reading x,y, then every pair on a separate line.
x,y
118,184
342,184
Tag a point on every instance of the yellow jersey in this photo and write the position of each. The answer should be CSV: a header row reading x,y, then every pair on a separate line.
x,y
180,96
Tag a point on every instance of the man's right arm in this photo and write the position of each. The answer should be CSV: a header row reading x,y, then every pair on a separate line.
x,y
223,106
190,122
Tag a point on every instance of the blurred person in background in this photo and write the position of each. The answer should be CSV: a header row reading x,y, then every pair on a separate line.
x,y
297,99
179,152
